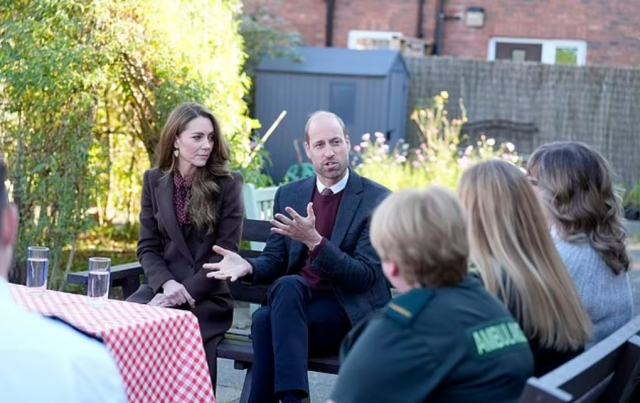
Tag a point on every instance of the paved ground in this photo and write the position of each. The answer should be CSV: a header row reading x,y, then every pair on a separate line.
x,y
230,380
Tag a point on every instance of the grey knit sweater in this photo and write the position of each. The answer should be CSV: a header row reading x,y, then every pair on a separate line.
x,y
607,298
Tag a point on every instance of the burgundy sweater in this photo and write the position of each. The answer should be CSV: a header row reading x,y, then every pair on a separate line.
x,y
326,210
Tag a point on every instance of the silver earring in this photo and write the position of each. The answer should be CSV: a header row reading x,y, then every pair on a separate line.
x,y
176,152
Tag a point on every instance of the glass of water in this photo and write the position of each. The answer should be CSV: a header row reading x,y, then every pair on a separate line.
x,y
99,279
37,269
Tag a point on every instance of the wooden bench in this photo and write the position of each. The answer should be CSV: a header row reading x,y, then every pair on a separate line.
x,y
609,372
522,134
234,346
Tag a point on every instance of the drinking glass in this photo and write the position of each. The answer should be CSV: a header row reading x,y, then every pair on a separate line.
x,y
99,280
37,269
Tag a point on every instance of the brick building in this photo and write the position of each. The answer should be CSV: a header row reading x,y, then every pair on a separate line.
x,y
594,32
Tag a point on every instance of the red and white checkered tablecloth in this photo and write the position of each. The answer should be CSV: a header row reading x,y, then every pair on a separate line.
x,y
159,351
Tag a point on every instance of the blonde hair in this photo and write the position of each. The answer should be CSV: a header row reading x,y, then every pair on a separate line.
x,y
424,232
207,183
516,256
576,185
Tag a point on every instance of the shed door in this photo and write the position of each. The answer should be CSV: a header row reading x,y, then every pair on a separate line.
x,y
342,102
397,108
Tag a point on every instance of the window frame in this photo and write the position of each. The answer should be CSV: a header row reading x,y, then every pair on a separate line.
x,y
355,34
549,48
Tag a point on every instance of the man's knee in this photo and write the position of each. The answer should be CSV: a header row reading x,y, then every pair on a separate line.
x,y
289,287
261,319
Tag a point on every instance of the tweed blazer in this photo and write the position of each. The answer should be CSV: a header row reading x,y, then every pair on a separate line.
x,y
162,249
348,258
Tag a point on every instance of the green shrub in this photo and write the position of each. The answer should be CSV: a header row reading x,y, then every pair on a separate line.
x,y
85,87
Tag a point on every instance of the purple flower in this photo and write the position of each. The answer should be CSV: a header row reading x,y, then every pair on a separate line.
x,y
464,162
468,151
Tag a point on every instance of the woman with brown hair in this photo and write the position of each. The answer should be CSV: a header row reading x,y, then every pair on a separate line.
x,y
518,262
190,202
575,184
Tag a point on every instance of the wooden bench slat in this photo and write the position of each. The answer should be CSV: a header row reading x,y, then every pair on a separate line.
x,y
256,230
599,374
239,348
119,272
248,293
248,254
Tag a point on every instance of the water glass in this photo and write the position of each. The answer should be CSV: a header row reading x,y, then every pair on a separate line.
x,y
37,269
99,280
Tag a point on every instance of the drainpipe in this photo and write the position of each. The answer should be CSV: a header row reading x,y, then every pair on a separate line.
x,y
419,33
440,18
331,8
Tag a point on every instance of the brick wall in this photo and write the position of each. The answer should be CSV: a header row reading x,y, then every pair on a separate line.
x,y
308,17
609,27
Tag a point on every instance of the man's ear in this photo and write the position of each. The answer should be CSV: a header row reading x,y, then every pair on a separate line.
x,y
307,149
9,231
347,140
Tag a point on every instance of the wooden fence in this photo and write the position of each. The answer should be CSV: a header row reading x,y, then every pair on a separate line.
x,y
596,105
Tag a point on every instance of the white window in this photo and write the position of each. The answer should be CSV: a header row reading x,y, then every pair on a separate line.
x,y
371,40
541,50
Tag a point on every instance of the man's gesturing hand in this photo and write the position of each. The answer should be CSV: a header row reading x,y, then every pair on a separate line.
x,y
231,267
298,228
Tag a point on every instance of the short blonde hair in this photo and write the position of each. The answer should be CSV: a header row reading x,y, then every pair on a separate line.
x,y
425,233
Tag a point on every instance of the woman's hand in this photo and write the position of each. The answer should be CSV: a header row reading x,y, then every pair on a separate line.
x,y
160,300
176,294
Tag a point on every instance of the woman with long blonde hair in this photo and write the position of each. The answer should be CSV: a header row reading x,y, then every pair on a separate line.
x,y
513,251
575,185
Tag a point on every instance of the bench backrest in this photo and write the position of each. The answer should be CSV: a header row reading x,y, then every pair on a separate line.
x,y
258,204
127,276
607,372
253,231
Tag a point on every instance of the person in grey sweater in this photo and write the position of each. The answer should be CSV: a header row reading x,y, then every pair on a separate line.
x,y
575,184
606,295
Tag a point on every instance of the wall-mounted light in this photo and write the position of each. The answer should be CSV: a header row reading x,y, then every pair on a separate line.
x,y
474,17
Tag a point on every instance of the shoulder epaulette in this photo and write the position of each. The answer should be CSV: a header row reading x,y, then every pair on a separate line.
x,y
72,327
405,308
474,271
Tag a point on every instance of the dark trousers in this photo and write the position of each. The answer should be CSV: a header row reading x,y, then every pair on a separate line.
x,y
296,324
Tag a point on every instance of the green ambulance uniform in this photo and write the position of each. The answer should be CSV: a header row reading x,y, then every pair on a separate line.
x,y
450,344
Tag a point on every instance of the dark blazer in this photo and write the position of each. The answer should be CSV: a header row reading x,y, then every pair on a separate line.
x,y
348,259
164,252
